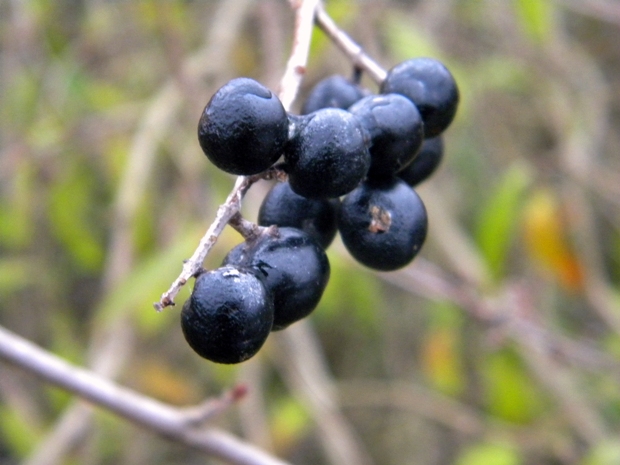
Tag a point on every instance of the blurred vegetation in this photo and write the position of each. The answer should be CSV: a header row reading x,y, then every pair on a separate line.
x,y
104,191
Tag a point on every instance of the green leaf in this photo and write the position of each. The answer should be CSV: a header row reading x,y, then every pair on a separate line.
x,y
15,273
497,220
20,436
488,454
288,420
17,208
145,284
407,41
351,293
509,392
536,18
72,203
605,453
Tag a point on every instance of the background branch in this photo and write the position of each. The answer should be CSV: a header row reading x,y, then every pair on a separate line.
x,y
183,425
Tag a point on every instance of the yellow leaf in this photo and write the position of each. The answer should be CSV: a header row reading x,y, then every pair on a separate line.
x,y
164,383
546,241
441,362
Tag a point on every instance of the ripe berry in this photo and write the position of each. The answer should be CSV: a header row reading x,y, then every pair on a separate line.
x,y
430,86
316,217
228,316
395,128
243,128
332,92
327,155
383,224
295,269
425,163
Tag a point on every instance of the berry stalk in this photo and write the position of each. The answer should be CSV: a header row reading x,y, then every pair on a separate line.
x,y
289,87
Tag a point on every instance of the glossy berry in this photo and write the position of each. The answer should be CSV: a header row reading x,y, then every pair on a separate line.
x,y
316,217
332,92
430,86
295,269
425,163
327,155
383,224
396,131
243,128
228,316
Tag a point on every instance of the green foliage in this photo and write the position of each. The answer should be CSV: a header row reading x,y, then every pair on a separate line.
x,y
14,275
605,453
442,348
16,209
405,41
17,432
489,454
288,421
77,79
71,214
150,277
536,18
510,392
498,219
351,293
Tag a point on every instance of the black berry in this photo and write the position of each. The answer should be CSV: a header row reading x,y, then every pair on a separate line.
x,y
295,270
327,155
243,128
332,92
425,163
396,131
228,316
430,86
383,224
316,217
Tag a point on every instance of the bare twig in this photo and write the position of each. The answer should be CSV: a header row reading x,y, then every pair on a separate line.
x,y
183,425
510,314
602,10
289,87
111,343
194,264
296,66
305,371
353,51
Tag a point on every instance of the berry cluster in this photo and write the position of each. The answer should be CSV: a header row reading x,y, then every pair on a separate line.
x,y
352,158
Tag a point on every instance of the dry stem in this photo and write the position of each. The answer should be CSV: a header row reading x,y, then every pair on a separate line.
x,y
183,425
289,87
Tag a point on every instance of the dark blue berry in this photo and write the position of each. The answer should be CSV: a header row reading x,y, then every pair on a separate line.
x,y
332,92
228,316
316,217
383,224
425,163
295,271
327,155
243,128
396,131
430,86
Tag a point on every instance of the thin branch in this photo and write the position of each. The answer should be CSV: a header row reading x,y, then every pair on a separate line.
x,y
225,213
194,264
112,342
289,86
183,425
296,65
352,50
510,314
305,370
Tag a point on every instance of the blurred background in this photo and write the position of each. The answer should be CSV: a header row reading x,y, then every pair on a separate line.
x,y
499,345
